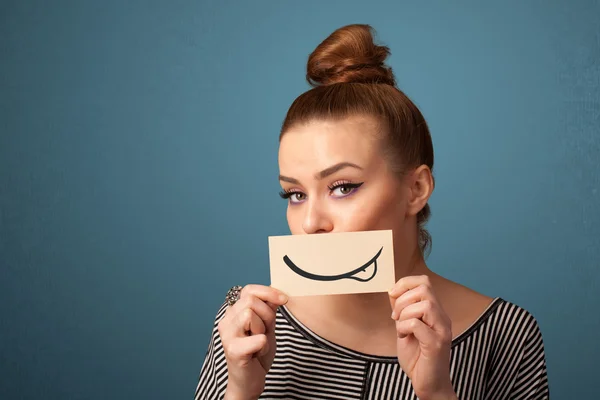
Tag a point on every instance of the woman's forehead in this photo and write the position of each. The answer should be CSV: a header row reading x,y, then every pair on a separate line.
x,y
348,135
320,144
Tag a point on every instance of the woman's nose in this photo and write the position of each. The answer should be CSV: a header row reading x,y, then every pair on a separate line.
x,y
316,219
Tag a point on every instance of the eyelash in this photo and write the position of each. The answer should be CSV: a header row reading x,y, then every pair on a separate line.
x,y
286,194
344,184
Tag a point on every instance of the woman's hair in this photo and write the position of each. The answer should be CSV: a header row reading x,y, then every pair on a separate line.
x,y
349,78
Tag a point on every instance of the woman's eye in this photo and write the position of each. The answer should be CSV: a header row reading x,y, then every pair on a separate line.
x,y
343,190
297,197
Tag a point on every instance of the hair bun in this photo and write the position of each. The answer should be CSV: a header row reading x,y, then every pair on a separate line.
x,y
349,55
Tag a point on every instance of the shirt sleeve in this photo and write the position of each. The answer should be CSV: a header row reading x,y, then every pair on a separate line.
x,y
213,374
531,380
518,370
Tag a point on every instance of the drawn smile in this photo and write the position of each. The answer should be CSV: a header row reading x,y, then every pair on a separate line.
x,y
347,275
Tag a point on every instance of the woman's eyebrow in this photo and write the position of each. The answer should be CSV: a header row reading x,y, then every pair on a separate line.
x,y
289,180
323,174
335,168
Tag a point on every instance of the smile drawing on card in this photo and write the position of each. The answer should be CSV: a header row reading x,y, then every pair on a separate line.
x,y
332,263
347,275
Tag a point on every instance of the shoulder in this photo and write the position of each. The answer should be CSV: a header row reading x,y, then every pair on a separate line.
x,y
221,310
511,333
515,322
220,314
213,373
517,355
469,310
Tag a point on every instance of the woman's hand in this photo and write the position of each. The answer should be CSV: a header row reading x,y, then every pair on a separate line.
x,y
424,337
248,336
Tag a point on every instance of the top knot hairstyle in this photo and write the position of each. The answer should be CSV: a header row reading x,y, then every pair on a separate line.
x,y
349,55
349,77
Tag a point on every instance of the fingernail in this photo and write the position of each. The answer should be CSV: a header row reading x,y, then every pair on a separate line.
x,y
283,298
393,314
392,291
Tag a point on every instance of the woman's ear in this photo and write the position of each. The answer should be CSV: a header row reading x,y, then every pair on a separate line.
x,y
421,186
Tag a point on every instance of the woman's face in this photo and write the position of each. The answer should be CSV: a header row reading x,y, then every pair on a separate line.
x,y
336,180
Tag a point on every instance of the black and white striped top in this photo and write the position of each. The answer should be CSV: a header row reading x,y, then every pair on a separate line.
x,y
500,356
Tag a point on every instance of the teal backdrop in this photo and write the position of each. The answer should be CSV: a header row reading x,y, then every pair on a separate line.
x,y
138,173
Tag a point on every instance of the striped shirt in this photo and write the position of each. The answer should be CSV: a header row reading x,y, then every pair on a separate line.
x,y
500,356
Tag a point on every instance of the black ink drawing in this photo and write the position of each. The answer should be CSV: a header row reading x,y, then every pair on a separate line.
x,y
347,275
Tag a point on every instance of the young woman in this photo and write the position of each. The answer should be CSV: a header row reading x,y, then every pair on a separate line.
x,y
355,155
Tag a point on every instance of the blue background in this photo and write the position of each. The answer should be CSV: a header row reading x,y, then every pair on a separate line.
x,y
138,173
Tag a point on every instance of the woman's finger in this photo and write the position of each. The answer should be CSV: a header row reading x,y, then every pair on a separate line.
x,y
241,350
429,340
415,295
262,309
248,323
414,326
249,314
428,312
265,293
407,283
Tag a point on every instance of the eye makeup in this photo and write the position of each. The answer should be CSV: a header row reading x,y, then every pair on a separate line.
x,y
345,189
290,194
344,184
